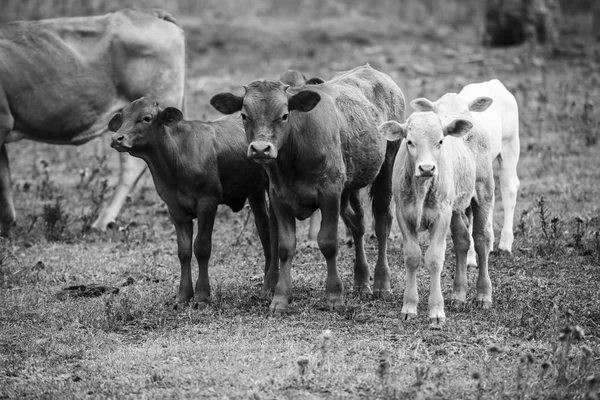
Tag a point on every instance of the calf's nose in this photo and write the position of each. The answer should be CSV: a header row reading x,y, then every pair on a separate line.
x,y
261,149
426,169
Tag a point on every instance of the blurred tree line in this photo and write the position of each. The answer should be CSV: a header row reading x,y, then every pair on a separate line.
x,y
500,22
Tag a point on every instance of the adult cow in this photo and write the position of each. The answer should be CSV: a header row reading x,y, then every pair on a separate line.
x,y
196,166
442,173
62,79
501,120
319,146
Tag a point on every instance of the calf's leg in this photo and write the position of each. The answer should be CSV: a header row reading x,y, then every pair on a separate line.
x,y
434,262
184,230
461,238
353,216
481,236
202,248
266,225
328,243
286,226
381,191
509,185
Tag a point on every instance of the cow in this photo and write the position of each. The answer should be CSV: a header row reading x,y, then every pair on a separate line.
x,y
319,145
196,166
442,173
62,79
501,121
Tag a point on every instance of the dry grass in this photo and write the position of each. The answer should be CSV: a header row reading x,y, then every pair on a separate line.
x,y
134,344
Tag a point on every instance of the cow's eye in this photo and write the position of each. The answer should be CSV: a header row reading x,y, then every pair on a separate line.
x,y
147,118
284,117
441,142
409,142
244,118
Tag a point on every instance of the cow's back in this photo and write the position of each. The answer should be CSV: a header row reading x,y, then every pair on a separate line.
x,y
501,119
362,98
62,78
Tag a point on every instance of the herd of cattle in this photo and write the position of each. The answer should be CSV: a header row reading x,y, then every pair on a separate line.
x,y
288,148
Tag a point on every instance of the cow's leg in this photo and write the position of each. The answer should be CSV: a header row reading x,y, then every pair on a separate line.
x,y
328,243
313,227
206,212
184,230
131,171
434,262
267,229
412,260
382,196
7,208
353,216
471,255
481,236
286,226
509,185
461,237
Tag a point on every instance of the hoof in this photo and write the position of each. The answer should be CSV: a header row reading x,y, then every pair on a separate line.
x,y
457,304
279,305
408,316
381,293
484,304
437,323
335,302
363,289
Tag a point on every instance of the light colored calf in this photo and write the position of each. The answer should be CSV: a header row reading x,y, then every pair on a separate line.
x,y
442,173
501,121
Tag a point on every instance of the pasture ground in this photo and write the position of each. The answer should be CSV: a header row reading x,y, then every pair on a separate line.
x,y
541,339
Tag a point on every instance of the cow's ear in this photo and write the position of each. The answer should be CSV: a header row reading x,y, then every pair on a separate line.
x,y
421,104
392,130
315,80
458,128
115,122
480,104
304,101
170,116
227,103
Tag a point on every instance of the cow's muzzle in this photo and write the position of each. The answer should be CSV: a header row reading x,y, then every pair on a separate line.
x,y
262,152
118,142
426,170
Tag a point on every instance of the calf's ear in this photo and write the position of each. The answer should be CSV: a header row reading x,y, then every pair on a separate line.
x,y
170,116
480,104
458,128
421,104
392,130
227,103
304,101
315,80
115,122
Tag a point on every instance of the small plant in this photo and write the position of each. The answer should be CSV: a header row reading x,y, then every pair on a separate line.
x,y
98,195
302,368
383,370
56,220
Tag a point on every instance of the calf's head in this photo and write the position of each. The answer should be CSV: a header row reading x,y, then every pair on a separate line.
x,y
451,105
424,134
137,126
265,111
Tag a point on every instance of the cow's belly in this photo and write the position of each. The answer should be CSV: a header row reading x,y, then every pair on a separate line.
x,y
64,111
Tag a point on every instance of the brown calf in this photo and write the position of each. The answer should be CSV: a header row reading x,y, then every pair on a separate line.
x,y
319,145
195,166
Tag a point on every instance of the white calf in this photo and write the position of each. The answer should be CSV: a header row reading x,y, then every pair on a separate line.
x,y
501,121
442,173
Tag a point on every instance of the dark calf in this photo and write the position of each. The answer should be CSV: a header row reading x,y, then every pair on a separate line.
x,y
196,166
323,147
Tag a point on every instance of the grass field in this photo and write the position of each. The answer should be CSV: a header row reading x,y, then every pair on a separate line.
x,y
541,339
